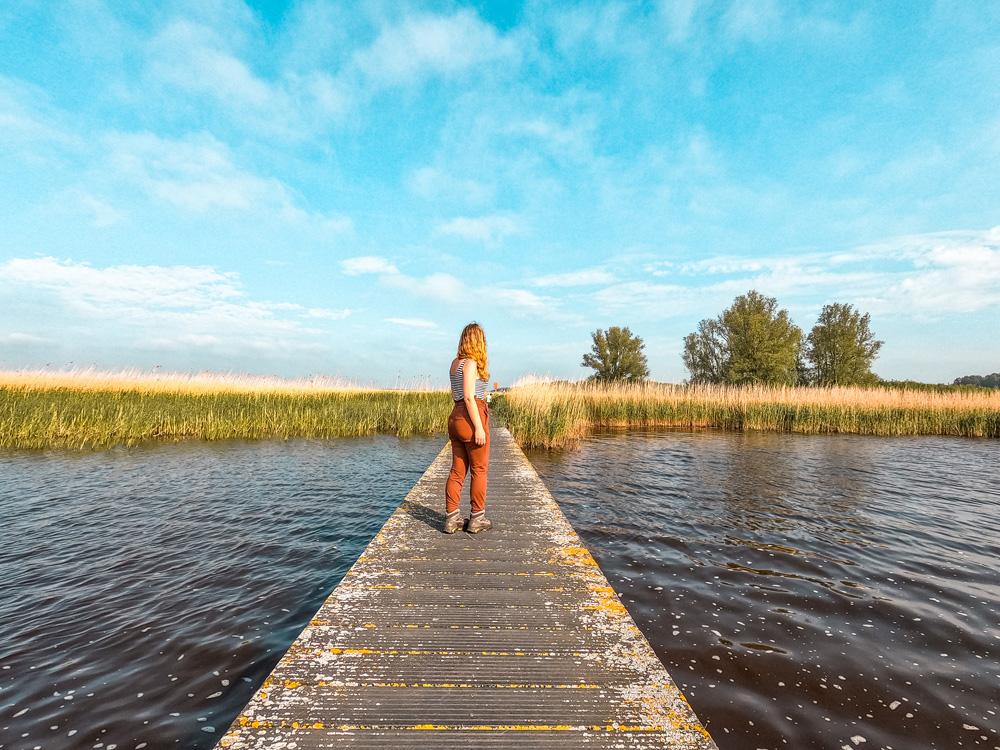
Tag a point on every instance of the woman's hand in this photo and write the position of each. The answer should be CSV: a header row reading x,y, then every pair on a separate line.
x,y
480,437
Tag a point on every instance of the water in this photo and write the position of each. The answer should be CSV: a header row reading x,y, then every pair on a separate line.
x,y
146,593
805,591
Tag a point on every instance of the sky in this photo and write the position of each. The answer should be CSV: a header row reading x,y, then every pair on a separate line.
x,y
295,188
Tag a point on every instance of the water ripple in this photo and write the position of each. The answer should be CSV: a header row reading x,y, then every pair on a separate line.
x,y
147,592
805,591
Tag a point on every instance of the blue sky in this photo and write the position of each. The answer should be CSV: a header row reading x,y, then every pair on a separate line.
x,y
325,187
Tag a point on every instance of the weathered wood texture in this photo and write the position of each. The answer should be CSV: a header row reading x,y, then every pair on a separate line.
x,y
511,638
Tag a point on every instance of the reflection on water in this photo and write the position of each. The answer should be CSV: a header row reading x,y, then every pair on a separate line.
x,y
147,592
805,591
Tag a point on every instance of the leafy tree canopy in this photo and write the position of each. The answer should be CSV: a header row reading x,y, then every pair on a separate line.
x,y
841,347
752,341
706,352
983,381
616,355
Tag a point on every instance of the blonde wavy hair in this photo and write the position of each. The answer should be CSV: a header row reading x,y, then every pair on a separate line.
x,y
472,344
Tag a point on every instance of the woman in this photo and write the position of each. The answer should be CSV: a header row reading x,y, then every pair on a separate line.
x,y
469,430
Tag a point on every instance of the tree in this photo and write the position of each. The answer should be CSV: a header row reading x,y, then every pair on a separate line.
x,y
752,341
763,342
706,353
841,347
616,355
983,381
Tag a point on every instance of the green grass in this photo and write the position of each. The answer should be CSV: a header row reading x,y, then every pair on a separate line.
x,y
95,419
554,415
96,411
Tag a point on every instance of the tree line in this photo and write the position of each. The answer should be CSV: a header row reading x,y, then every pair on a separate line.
x,y
754,342
982,381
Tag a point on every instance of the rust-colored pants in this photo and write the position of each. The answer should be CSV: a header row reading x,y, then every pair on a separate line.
x,y
466,456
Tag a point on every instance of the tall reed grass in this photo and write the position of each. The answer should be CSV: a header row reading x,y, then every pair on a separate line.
x,y
91,409
557,414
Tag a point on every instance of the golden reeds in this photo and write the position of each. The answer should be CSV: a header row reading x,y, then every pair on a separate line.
x,y
554,415
162,381
93,409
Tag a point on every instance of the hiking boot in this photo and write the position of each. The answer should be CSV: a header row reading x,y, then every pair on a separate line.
x,y
479,524
452,523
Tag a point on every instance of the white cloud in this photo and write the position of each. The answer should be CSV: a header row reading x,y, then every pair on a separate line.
x,y
446,289
103,214
367,264
196,59
433,184
21,339
583,277
924,275
198,174
645,299
490,230
412,322
327,314
440,287
28,123
522,302
658,268
679,16
573,141
432,45
83,286
192,56
952,272
200,340
163,307
752,19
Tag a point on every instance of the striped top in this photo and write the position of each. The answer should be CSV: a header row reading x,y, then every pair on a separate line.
x,y
458,384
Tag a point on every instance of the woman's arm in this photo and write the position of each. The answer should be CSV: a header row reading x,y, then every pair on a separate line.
x,y
469,377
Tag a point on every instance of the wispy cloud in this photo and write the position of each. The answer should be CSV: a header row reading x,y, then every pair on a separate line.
x,y
104,215
448,290
752,19
17,339
923,275
327,313
412,322
364,264
84,286
950,272
490,230
583,277
198,174
369,159
437,287
432,45
431,183
194,57
198,60
163,307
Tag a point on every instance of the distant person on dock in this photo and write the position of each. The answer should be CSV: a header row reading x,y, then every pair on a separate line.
x,y
469,430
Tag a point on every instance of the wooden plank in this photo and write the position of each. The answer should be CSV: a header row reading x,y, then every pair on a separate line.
x,y
510,638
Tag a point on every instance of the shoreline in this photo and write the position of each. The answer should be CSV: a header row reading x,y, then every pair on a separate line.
x,y
557,415
90,413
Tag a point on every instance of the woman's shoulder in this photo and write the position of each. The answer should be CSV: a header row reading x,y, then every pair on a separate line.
x,y
456,364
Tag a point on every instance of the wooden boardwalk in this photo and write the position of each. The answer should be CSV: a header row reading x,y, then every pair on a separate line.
x,y
510,638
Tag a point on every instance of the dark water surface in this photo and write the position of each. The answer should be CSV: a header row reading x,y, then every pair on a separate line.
x,y
805,591
145,593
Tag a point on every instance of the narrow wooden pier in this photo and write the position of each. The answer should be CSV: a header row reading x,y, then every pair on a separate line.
x,y
510,638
